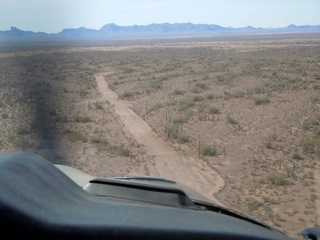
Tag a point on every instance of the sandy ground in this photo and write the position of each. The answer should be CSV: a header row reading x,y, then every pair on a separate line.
x,y
165,160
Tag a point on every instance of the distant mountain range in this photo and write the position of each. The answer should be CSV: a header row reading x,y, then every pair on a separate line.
x,y
112,32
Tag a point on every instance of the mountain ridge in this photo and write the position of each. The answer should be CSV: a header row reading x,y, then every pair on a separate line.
x,y
113,31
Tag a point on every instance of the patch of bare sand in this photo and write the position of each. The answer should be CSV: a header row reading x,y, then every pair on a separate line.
x,y
166,162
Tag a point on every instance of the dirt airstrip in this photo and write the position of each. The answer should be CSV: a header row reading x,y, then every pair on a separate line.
x,y
165,161
235,119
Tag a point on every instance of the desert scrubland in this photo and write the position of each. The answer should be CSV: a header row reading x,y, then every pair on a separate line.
x,y
240,114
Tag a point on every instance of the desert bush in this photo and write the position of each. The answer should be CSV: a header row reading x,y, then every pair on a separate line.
x,y
157,84
316,87
277,179
98,105
183,118
171,131
98,139
261,100
123,151
253,204
199,87
238,95
177,92
66,131
207,150
296,156
23,130
78,136
185,104
213,110
155,107
182,138
82,119
311,123
226,79
210,96
83,93
308,145
198,98
127,95
269,144
231,120
315,99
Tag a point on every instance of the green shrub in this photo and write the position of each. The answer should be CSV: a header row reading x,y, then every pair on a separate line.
x,y
253,204
127,95
311,123
261,100
66,131
83,93
210,96
82,119
155,107
98,105
171,131
199,87
231,120
296,156
123,151
185,104
207,150
269,145
183,118
182,138
197,98
213,110
308,145
78,136
278,179
98,139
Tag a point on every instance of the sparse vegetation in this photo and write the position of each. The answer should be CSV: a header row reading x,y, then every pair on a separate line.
x,y
187,95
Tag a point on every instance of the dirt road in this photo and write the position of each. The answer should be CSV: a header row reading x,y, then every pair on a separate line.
x,y
166,162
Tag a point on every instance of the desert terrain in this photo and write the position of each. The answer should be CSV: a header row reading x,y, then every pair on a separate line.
x,y
236,119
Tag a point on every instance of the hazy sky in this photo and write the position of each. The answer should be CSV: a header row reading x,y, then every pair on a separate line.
x,y
55,15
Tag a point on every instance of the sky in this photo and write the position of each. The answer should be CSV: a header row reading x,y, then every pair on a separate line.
x,y
54,16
